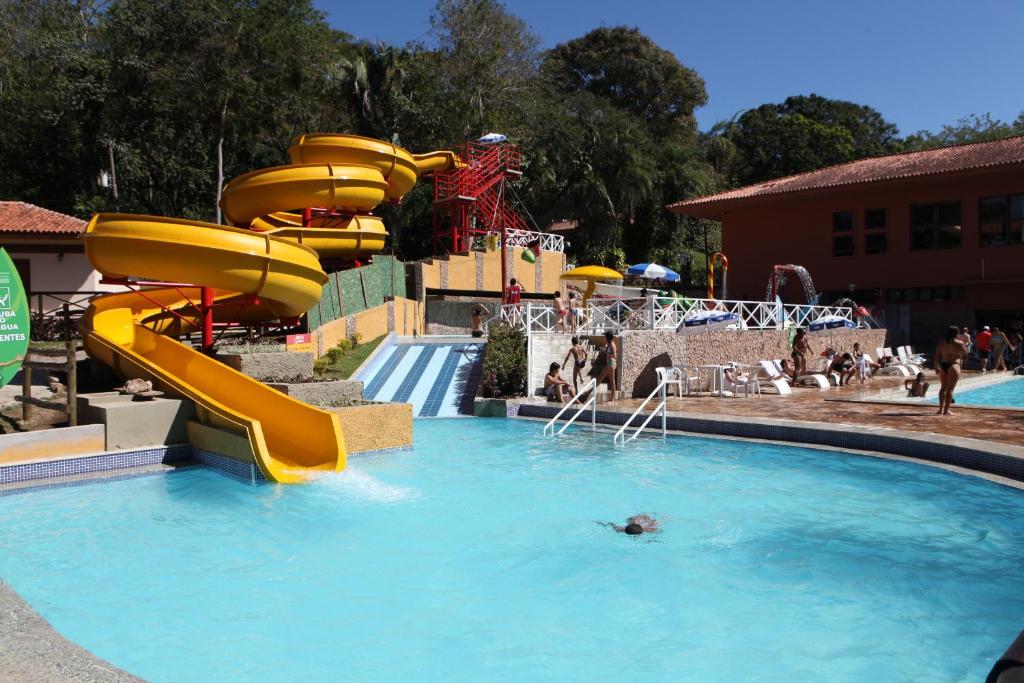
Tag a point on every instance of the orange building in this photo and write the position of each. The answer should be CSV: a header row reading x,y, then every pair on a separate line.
x,y
928,238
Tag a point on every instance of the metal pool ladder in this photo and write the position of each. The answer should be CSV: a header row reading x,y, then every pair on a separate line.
x,y
549,428
668,376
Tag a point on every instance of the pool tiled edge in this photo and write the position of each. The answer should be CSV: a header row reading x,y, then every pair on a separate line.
x,y
55,472
98,462
971,454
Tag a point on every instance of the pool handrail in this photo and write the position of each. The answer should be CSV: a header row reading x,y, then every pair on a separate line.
x,y
592,402
661,408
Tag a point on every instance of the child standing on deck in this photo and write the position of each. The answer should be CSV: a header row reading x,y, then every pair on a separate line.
x,y
578,353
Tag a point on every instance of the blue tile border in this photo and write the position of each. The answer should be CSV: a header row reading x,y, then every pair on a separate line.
x,y
102,462
231,467
971,454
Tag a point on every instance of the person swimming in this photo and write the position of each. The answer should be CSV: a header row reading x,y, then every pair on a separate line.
x,y
635,525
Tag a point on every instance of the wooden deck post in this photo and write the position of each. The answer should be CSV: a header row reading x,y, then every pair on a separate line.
x,y
71,349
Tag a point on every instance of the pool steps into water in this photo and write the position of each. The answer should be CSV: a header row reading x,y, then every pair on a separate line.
x,y
437,375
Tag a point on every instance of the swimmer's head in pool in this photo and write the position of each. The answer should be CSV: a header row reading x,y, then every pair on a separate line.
x,y
634,529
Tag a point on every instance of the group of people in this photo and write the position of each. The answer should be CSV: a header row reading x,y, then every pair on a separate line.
x,y
566,307
846,364
558,388
993,347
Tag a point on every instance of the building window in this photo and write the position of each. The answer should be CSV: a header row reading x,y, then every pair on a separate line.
x,y
912,294
1001,220
935,226
875,241
842,233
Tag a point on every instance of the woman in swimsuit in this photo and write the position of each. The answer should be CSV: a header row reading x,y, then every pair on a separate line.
x,y
800,350
611,353
948,355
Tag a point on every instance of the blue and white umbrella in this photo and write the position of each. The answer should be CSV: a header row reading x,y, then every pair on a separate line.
x,y
492,138
652,271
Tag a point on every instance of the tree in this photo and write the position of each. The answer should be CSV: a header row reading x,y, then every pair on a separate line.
x,y
52,86
615,141
971,128
630,71
805,133
209,90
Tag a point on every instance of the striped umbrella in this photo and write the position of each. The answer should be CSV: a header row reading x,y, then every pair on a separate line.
x,y
652,271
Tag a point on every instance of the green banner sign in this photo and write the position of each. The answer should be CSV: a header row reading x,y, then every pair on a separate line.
x,y
13,319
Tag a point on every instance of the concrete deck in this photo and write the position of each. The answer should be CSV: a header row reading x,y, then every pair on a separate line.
x,y
872,404
33,651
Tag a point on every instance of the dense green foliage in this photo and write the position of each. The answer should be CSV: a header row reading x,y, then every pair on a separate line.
x,y
504,364
179,96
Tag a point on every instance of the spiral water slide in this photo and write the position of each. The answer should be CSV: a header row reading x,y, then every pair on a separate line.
x,y
268,264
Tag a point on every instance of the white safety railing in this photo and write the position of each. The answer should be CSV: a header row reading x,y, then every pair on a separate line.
x,y
549,428
522,238
662,409
654,313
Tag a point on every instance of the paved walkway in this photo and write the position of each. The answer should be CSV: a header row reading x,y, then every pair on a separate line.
x,y
855,405
30,650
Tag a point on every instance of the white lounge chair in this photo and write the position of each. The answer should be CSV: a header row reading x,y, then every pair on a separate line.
x,y
907,355
809,379
775,378
896,367
904,360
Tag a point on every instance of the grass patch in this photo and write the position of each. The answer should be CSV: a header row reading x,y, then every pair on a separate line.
x,y
344,365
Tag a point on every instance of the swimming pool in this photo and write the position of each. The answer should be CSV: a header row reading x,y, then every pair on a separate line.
x,y
476,557
1008,394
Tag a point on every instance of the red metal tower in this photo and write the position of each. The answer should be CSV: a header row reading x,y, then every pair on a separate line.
x,y
472,201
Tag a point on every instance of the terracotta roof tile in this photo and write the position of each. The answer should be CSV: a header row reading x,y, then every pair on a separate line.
x,y
28,218
874,169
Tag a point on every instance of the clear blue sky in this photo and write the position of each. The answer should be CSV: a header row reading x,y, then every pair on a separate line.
x,y
920,63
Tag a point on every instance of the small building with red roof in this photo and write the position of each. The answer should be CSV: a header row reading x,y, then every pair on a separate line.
x,y
48,250
930,238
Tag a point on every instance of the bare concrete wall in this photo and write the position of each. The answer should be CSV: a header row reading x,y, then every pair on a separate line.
x,y
643,351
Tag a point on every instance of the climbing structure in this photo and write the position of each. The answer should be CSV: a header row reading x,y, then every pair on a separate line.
x,y
473,200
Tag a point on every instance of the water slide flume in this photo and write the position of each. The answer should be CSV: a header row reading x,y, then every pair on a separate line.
x,y
271,262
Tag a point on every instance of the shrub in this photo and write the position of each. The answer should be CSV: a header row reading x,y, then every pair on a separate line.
x,y
47,328
504,366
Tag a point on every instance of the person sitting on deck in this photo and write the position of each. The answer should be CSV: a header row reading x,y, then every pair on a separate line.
x,y
788,369
734,377
917,387
555,386
842,365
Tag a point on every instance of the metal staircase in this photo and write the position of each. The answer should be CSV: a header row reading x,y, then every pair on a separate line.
x,y
472,201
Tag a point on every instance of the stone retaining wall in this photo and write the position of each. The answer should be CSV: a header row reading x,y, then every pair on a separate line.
x,y
263,366
318,393
643,351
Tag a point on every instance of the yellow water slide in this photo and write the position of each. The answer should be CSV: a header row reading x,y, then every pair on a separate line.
x,y
268,264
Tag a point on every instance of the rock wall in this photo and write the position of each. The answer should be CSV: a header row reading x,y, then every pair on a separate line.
x,y
453,317
645,350
275,365
319,393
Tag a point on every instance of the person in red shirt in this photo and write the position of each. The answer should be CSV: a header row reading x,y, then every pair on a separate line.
x,y
984,343
513,293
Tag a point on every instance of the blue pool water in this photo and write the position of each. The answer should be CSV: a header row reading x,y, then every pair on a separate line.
x,y
1009,394
476,557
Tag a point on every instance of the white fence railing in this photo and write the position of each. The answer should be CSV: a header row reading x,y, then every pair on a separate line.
x,y
522,238
602,315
